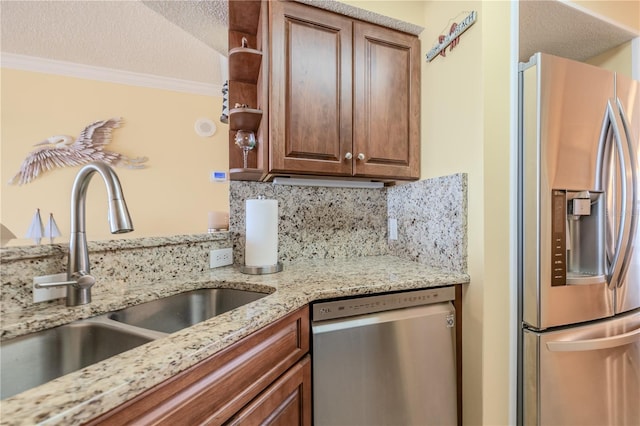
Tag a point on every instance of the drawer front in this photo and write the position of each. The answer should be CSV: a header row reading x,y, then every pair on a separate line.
x,y
287,402
217,388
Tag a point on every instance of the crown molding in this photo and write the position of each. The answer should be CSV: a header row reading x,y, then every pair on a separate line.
x,y
110,75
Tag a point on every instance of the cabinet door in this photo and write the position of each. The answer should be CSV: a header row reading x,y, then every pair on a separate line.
x,y
386,102
217,388
310,96
287,402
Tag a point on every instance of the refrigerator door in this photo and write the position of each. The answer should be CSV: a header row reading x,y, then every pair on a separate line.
x,y
564,127
584,375
628,96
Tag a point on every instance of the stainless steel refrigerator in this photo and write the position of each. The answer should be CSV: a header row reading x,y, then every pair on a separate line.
x,y
579,264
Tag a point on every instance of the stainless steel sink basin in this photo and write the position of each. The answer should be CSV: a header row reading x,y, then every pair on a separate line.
x,y
36,358
182,310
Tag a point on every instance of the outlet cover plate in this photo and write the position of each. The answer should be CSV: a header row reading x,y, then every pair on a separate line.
x,y
220,257
393,228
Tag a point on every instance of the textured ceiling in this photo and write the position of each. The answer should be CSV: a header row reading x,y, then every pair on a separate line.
x,y
178,39
205,20
185,39
555,27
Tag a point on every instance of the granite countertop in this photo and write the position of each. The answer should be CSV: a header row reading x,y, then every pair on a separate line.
x,y
87,393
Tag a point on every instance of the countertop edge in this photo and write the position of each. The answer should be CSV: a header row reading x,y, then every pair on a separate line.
x,y
90,392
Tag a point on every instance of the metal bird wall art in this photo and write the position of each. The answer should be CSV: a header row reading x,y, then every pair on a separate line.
x,y
64,151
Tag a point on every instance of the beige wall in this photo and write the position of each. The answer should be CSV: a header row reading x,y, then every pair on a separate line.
x,y
622,12
452,142
172,196
465,128
617,59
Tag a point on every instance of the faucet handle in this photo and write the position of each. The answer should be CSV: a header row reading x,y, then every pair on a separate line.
x,y
79,280
83,280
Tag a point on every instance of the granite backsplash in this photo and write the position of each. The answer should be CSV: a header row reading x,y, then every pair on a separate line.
x,y
114,263
432,222
322,222
314,223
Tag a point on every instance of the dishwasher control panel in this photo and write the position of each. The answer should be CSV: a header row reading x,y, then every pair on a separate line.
x,y
360,305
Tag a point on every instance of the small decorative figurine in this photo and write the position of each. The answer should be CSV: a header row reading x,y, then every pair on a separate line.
x,y
51,230
35,229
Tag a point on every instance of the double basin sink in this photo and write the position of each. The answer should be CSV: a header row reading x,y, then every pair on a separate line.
x,y
36,358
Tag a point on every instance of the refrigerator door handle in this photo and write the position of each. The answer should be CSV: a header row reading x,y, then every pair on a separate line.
x,y
626,132
606,175
595,344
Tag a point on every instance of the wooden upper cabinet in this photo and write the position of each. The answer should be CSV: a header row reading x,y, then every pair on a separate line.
x,y
386,107
311,90
329,95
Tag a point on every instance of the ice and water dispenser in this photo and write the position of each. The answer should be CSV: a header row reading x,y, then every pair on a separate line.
x,y
578,237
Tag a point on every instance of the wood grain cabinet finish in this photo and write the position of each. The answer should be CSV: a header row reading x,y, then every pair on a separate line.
x,y
330,95
218,388
248,83
386,109
311,85
287,402
344,98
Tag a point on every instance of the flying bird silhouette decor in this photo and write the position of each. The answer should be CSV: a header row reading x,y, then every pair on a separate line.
x,y
64,151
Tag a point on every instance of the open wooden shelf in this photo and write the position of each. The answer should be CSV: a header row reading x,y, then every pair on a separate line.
x,y
244,64
248,21
244,119
245,174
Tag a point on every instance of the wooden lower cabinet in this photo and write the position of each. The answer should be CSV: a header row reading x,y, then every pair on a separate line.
x,y
264,378
287,402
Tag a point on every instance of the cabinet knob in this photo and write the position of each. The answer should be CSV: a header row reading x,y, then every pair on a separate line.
x,y
360,156
348,156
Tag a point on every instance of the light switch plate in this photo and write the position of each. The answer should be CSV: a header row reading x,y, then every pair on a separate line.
x,y
44,294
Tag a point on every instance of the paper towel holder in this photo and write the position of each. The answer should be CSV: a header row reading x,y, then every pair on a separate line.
x,y
261,270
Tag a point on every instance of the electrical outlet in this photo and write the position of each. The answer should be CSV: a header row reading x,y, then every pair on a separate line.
x,y
220,257
393,228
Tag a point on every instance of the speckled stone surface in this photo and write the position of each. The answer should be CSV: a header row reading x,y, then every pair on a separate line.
x,y
432,221
85,394
316,222
122,261
364,15
333,243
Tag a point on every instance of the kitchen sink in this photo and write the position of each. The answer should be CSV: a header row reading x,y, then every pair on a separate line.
x,y
36,358
183,310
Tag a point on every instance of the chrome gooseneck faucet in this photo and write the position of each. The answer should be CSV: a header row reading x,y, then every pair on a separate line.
x,y
78,266
79,281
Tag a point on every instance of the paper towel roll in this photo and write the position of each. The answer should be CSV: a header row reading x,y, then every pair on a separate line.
x,y
261,247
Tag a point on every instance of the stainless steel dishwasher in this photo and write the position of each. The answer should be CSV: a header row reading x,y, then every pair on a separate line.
x,y
387,359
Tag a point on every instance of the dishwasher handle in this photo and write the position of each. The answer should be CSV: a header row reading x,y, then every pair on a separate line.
x,y
341,324
361,305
